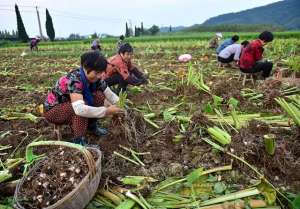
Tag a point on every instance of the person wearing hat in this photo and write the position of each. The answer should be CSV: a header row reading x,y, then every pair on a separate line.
x,y
121,72
214,42
251,60
228,42
77,99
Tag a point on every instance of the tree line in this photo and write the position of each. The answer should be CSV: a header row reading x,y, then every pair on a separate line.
x,y
140,31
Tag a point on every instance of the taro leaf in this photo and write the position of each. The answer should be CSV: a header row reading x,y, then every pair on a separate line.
x,y
208,108
234,102
268,192
217,100
219,188
296,202
194,175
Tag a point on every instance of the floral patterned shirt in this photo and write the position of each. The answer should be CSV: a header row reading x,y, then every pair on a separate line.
x,y
66,85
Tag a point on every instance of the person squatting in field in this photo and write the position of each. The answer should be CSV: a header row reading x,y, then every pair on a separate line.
x,y
120,42
121,72
251,60
34,44
227,42
78,98
214,42
96,45
232,53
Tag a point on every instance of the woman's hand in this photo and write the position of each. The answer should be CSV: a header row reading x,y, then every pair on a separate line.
x,y
113,109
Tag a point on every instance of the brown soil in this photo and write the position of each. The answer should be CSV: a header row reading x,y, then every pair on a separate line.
x,y
280,167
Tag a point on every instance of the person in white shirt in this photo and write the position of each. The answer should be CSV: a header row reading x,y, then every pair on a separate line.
x,y
231,53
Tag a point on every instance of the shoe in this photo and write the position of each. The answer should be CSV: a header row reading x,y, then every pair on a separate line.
x,y
79,140
96,130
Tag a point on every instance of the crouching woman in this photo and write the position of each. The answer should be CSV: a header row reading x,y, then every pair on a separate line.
x,y
77,98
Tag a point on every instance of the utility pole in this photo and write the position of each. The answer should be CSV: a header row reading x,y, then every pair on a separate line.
x,y
39,21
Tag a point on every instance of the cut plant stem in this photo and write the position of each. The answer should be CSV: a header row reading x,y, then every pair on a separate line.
x,y
136,199
126,158
261,176
232,196
151,123
213,170
269,141
132,151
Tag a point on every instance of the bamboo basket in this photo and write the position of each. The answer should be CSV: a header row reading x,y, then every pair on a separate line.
x,y
80,196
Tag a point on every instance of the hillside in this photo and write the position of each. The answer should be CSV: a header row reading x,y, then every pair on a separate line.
x,y
284,13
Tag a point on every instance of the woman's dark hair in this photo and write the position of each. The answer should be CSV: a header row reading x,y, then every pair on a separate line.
x,y
245,43
266,36
122,37
235,38
93,60
125,48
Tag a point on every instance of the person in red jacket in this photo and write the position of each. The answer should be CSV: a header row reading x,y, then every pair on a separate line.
x,y
251,60
121,72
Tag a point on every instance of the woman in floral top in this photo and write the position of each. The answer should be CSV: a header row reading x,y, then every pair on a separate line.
x,y
78,98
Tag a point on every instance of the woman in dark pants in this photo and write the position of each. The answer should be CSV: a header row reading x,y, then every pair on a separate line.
x,y
251,60
121,71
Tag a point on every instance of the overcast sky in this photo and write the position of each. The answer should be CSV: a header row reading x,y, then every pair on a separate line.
x,y
109,16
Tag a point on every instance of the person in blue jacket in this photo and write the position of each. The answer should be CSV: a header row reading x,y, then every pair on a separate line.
x,y
228,42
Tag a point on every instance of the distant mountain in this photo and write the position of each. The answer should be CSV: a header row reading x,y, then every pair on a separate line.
x,y
283,13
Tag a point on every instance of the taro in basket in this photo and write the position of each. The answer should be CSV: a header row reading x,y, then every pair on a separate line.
x,y
66,178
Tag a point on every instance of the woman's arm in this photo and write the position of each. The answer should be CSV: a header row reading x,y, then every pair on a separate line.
x,y
110,96
83,110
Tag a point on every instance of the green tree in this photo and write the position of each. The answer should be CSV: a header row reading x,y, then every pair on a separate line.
x,y
137,31
127,32
49,26
22,35
94,36
154,30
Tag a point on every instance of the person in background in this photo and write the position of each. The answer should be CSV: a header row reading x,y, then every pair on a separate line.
x,y
120,42
214,42
34,44
121,72
232,53
227,42
251,60
96,45
77,98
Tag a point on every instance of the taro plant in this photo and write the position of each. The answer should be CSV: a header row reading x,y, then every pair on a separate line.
x,y
291,108
293,63
196,79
